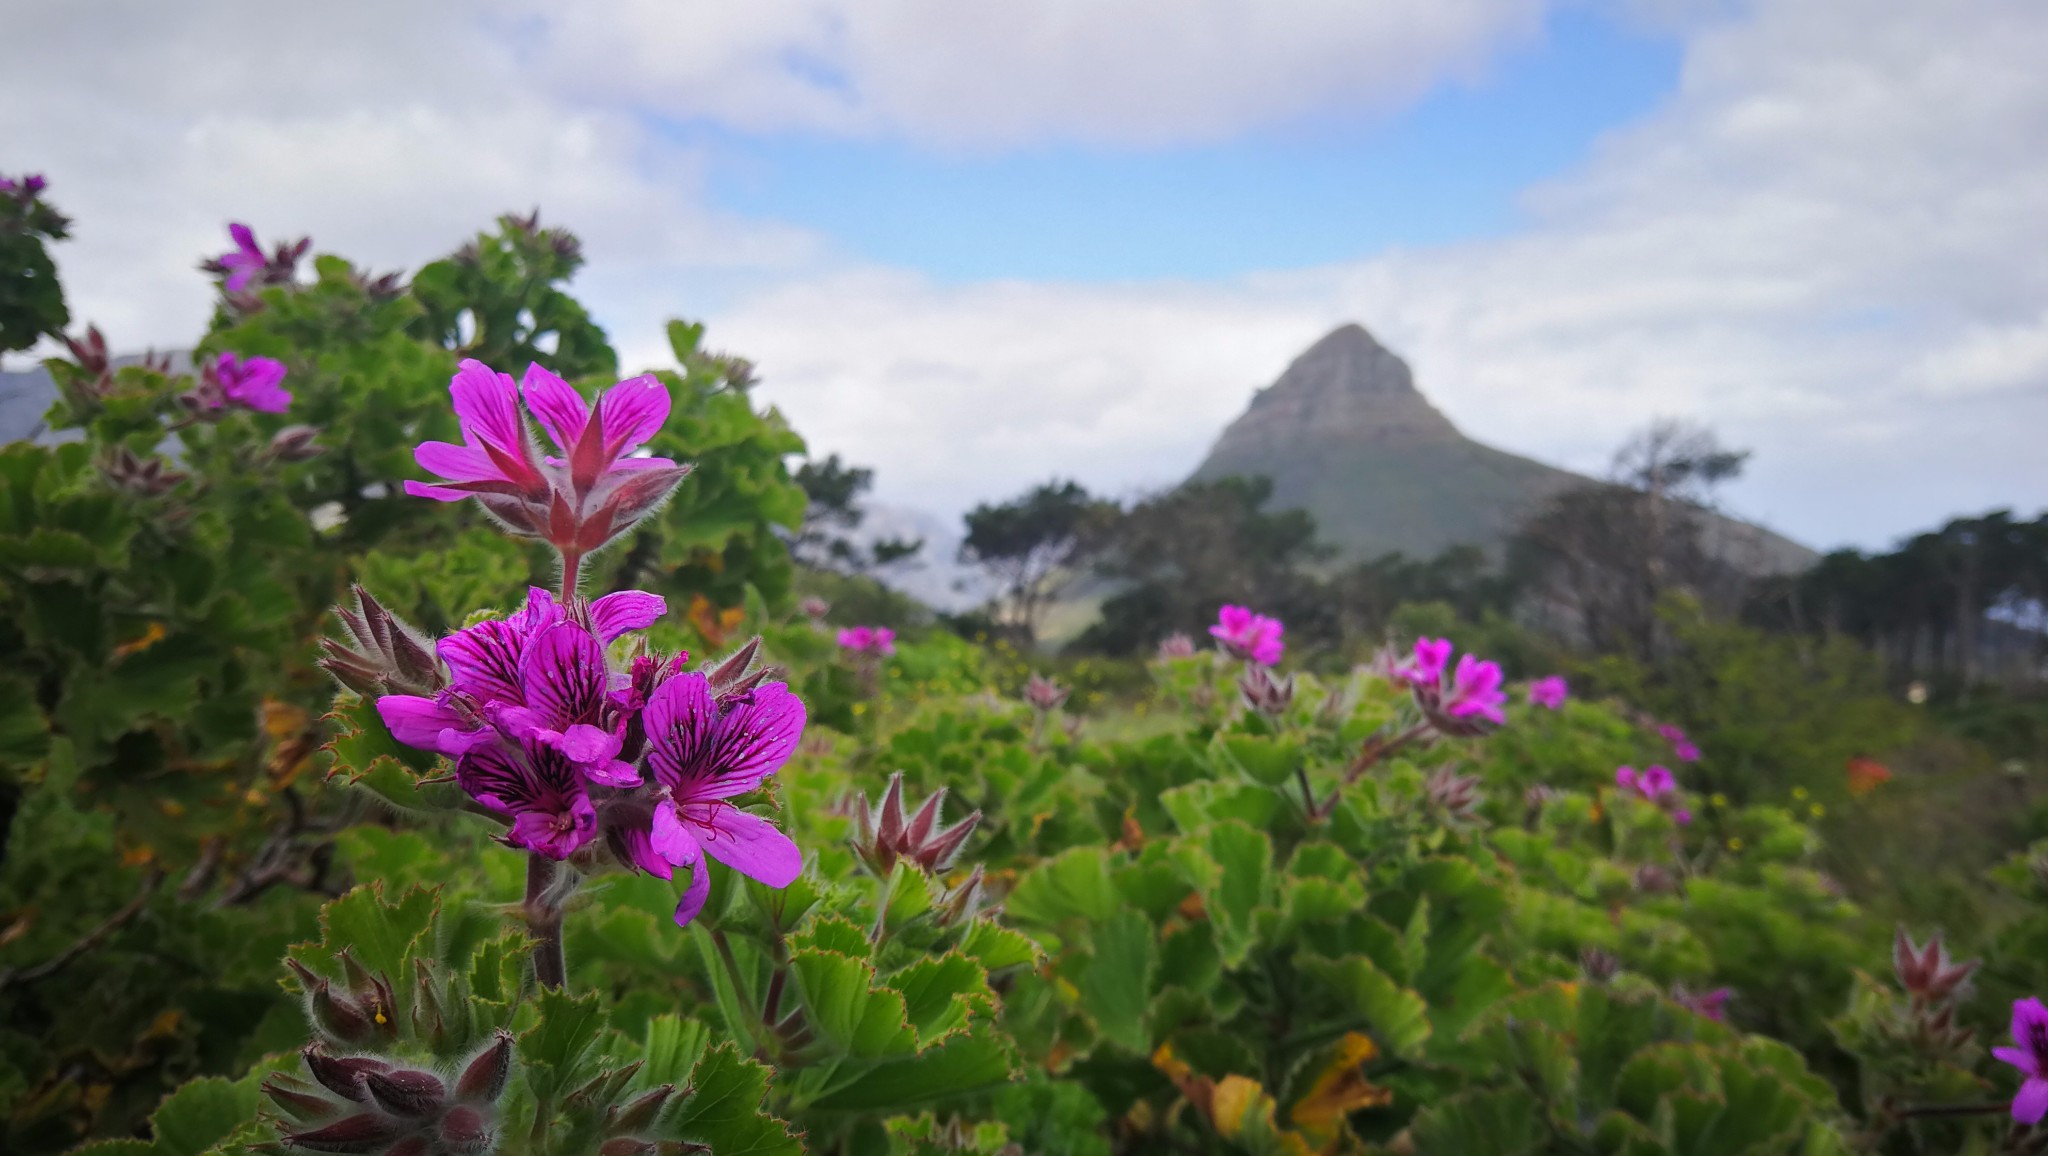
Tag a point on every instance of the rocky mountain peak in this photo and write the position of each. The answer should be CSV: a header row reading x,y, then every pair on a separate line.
x,y
1346,388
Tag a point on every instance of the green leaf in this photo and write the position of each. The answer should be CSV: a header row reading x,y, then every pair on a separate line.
x,y
1116,987
998,947
1399,1018
380,934
554,1049
1246,857
201,1114
1266,759
833,933
963,1064
939,994
24,734
673,1048
724,1112
1075,884
838,992
1502,1122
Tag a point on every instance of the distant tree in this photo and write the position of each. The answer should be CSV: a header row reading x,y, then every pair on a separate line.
x,y
497,299
31,299
1366,595
1184,552
1597,560
1029,545
832,490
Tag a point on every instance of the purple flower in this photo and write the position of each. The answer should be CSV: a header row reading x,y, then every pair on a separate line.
x,y
1656,785
1685,752
245,261
255,382
879,640
702,751
1549,693
1711,1004
1248,636
538,787
1475,690
577,502
535,676
1432,658
2030,1032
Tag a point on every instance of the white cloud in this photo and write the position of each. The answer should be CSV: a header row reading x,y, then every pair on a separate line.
x,y
1828,232
1122,72
1827,241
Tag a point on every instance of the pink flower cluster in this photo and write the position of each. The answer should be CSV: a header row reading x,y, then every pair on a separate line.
x,y
596,490
1471,696
545,732
1656,785
875,640
1549,693
1248,636
1682,748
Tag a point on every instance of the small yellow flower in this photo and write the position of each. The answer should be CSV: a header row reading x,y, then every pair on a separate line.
x,y
860,708
1735,844
1720,800
1799,792
1817,810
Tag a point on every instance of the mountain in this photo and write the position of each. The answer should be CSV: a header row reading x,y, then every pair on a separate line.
x,y
1345,435
27,394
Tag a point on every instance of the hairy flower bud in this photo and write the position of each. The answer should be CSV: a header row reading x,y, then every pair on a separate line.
x,y
814,609
483,1081
1458,796
466,1131
1044,695
963,903
1265,694
627,1146
149,477
298,1099
637,1113
342,1075
363,1132
404,1092
883,834
1927,973
1176,646
295,443
1598,966
388,655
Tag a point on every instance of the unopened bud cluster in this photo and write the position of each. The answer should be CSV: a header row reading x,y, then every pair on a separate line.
x,y
885,834
1264,693
388,656
1935,985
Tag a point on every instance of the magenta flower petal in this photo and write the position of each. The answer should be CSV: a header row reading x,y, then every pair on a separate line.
x,y
746,843
1657,781
694,896
627,610
559,408
704,750
243,236
671,839
562,675
1549,692
2032,1102
487,404
539,788
484,660
1625,778
632,412
425,723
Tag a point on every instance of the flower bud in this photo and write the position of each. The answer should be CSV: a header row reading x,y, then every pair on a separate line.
x,y
637,1113
1264,693
1044,695
883,834
297,1099
1597,965
1457,795
466,1131
963,903
1927,974
815,609
1176,646
627,1146
483,1081
363,1132
295,443
405,1092
387,656
342,1075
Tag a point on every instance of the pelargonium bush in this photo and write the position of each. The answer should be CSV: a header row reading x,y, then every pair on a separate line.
x,y
575,753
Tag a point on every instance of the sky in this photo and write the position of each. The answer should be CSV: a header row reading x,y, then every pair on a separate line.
x,y
976,246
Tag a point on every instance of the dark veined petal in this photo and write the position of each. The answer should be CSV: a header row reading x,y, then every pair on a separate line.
x,y
562,675
624,611
484,660
704,751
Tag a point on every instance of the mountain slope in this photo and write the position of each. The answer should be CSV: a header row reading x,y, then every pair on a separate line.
x,y
1345,435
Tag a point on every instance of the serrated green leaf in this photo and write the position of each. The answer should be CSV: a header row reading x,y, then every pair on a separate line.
x,y
1116,987
1398,1017
964,1064
723,1111
1074,884
201,1114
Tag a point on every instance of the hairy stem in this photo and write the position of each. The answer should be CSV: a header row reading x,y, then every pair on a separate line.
x,y
544,923
572,575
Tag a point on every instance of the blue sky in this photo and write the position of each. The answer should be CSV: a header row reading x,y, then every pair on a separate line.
x,y
977,246
1321,188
